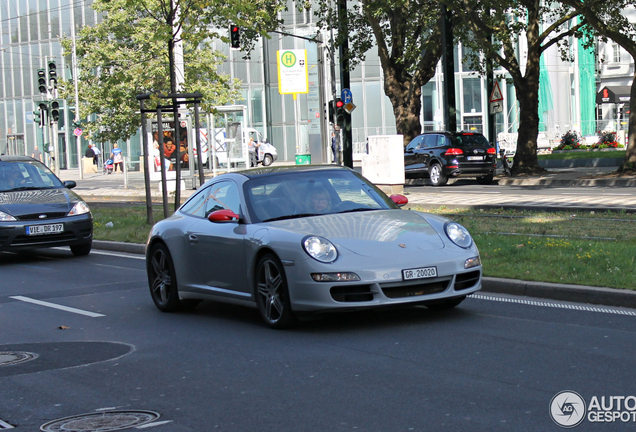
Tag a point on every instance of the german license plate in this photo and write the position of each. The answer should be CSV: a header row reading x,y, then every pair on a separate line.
x,y
419,273
44,229
475,158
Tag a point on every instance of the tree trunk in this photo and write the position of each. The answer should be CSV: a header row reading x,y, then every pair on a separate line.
x,y
406,98
629,164
525,160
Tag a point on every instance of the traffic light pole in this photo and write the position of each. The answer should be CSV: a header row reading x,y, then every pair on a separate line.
x,y
345,82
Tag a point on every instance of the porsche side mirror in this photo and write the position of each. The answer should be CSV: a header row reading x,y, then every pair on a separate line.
x,y
225,215
400,200
69,184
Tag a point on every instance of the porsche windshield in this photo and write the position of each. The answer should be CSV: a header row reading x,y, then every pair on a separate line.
x,y
301,194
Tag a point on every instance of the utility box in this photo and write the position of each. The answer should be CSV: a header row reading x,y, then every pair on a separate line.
x,y
384,164
89,166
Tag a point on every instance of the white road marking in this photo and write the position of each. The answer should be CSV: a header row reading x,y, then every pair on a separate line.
x,y
153,424
56,306
123,255
4,425
554,305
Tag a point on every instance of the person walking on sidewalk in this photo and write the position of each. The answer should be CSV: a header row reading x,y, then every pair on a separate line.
x,y
118,158
37,154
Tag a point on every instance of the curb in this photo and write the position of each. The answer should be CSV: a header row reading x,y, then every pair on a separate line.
x,y
563,292
544,290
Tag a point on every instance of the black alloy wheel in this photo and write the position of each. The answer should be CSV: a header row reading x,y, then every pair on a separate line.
x,y
272,294
162,279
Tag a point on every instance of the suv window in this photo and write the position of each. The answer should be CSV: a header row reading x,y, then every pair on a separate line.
x,y
416,143
470,140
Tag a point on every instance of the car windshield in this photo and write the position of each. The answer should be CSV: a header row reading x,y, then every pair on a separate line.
x,y
469,140
301,194
24,175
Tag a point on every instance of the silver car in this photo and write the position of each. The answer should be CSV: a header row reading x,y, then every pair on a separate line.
x,y
305,239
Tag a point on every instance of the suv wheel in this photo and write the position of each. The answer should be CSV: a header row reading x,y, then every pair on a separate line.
x,y
437,176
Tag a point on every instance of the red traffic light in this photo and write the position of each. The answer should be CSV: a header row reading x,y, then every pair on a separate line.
x,y
339,103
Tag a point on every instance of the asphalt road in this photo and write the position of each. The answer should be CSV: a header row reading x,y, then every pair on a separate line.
x,y
493,363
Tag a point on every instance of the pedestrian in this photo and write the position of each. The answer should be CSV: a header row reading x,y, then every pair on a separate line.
x,y
252,146
118,158
89,152
333,146
37,154
96,152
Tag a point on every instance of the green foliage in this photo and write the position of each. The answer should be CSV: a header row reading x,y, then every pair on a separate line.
x,y
128,53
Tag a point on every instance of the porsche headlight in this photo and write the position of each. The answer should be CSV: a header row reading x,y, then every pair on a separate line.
x,y
320,249
5,217
458,234
79,208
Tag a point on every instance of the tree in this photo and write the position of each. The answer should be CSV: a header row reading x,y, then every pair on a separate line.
x,y
130,52
506,31
408,38
608,20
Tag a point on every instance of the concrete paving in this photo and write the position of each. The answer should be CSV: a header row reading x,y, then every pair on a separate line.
x,y
130,187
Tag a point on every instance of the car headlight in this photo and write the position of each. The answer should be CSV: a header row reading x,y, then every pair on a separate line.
x,y
458,234
320,249
79,208
5,217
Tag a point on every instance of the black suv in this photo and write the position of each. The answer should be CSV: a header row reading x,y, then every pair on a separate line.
x,y
444,155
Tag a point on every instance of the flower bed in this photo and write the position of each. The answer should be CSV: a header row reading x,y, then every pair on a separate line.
x,y
573,141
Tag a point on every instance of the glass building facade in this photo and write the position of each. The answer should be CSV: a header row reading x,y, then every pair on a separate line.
x,y
31,31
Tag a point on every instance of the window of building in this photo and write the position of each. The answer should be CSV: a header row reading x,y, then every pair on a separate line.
x,y
616,53
472,95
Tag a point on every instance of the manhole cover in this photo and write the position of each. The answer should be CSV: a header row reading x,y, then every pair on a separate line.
x,y
15,357
100,422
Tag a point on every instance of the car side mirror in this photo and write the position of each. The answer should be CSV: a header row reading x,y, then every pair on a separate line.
x,y
400,200
225,215
69,184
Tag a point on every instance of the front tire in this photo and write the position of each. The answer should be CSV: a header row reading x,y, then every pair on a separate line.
x,y
162,279
82,250
272,294
436,175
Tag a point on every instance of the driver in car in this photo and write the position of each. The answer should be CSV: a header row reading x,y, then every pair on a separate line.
x,y
319,201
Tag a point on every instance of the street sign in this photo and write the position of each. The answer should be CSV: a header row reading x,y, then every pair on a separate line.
x,y
77,132
348,107
496,95
496,107
293,75
346,96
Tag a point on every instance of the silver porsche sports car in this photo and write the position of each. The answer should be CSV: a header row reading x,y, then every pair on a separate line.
x,y
304,239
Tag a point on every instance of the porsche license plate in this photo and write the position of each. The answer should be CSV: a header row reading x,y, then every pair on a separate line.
x,y
419,273
475,158
44,229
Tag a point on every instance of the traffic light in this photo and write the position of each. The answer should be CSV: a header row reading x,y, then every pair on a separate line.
x,y
340,112
235,37
55,111
52,75
37,117
44,112
330,110
42,80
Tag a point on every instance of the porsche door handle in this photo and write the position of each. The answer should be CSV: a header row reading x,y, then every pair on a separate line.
x,y
192,238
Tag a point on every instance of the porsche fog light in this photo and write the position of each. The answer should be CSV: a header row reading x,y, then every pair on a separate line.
x,y
320,249
472,262
5,217
335,277
79,208
458,235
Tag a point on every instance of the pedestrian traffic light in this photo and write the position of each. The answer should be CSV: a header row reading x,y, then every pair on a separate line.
x,y
52,75
330,110
44,112
340,112
55,111
235,37
42,80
